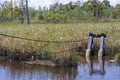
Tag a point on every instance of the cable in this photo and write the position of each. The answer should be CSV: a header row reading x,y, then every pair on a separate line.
x,y
83,40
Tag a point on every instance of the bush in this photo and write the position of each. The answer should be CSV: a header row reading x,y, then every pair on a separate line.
x,y
117,56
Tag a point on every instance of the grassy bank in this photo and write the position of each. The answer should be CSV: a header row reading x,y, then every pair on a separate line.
x,y
59,53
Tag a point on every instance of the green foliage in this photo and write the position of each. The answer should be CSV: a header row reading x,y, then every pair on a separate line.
x,y
117,56
58,12
6,12
116,12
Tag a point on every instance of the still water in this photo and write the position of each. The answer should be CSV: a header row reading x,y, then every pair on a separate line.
x,y
20,71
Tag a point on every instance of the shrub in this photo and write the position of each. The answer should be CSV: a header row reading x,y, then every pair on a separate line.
x,y
117,56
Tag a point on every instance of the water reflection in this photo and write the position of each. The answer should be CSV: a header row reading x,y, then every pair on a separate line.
x,y
90,63
101,61
20,71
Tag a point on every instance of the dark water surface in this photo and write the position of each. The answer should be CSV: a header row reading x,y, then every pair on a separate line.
x,y
20,71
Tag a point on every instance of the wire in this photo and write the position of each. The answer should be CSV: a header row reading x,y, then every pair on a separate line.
x,y
83,40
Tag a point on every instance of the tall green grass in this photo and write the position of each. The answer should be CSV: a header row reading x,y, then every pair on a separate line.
x,y
117,56
53,32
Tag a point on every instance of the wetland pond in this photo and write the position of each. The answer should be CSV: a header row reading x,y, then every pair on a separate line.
x,y
12,70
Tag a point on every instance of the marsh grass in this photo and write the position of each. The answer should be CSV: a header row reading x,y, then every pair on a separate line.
x,y
117,56
55,32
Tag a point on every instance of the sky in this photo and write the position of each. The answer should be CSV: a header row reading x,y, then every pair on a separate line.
x,y
42,3
47,3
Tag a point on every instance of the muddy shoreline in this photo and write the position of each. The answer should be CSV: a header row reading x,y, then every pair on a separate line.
x,y
30,60
70,58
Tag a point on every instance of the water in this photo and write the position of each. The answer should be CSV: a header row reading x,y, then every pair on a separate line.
x,y
20,71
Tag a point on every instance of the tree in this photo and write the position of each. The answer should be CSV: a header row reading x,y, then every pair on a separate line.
x,y
58,12
6,12
88,8
32,13
106,3
105,9
22,10
39,14
116,12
